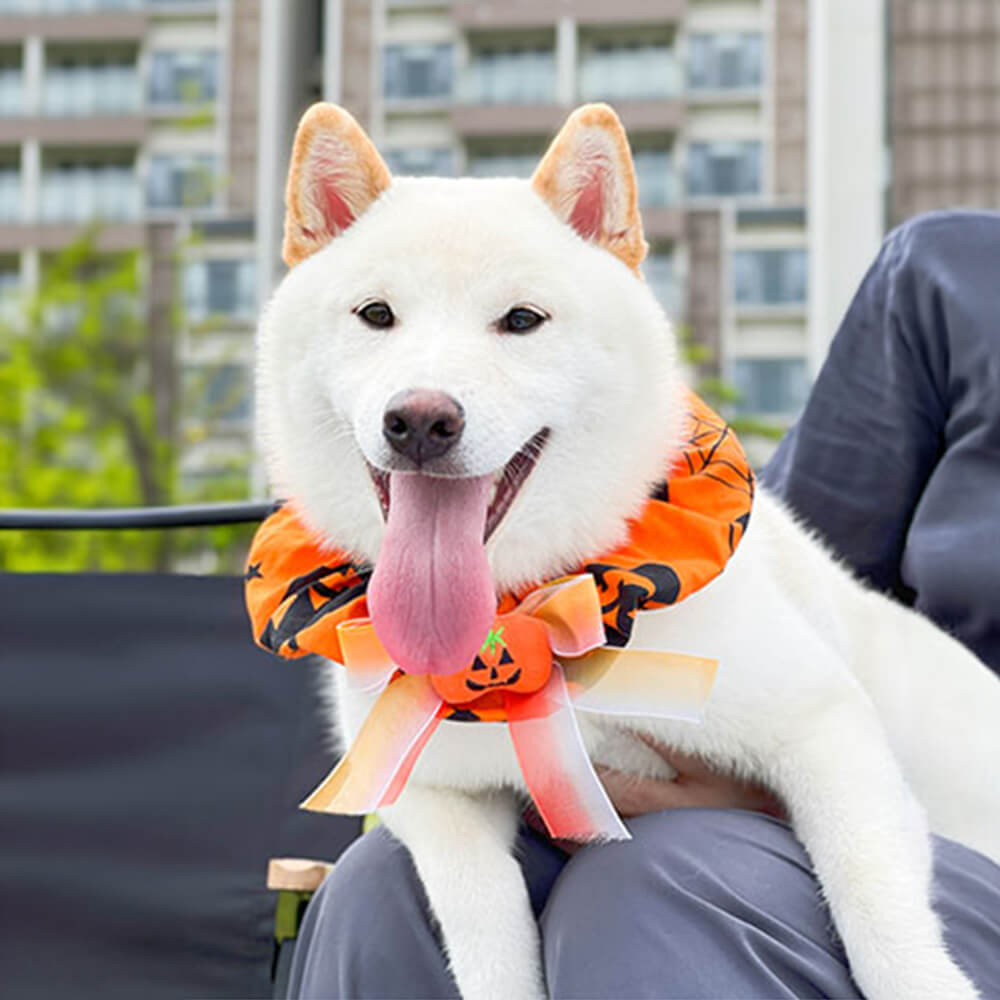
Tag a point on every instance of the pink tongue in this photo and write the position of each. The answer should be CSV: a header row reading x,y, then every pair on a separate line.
x,y
431,596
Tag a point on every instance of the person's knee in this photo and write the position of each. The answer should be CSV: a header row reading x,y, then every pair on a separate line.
x,y
689,850
691,892
367,893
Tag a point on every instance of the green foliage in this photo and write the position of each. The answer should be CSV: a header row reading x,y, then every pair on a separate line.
x,y
723,397
86,421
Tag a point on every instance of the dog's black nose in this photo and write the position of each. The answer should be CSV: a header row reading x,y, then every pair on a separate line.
x,y
423,424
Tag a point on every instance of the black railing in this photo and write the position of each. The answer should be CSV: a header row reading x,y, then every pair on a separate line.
x,y
120,518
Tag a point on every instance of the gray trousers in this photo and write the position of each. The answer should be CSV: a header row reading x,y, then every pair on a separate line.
x,y
705,903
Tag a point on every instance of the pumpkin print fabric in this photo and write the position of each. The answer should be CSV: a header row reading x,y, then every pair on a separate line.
x,y
298,591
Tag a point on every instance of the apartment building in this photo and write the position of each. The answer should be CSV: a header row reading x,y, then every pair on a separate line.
x,y
712,92
774,142
944,112
141,115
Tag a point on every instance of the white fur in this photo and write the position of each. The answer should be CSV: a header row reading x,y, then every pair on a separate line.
x,y
868,721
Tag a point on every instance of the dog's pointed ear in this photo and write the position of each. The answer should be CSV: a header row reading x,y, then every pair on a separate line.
x,y
335,174
587,178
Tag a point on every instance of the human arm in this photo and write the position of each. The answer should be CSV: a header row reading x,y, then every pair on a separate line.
x,y
694,786
895,460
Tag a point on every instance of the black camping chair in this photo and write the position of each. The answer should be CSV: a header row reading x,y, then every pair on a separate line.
x,y
151,762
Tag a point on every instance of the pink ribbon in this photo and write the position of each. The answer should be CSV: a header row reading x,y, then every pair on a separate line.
x,y
542,723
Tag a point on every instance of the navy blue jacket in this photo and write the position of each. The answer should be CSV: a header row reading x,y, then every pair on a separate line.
x,y
896,457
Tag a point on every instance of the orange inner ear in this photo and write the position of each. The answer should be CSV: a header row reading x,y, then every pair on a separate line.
x,y
588,212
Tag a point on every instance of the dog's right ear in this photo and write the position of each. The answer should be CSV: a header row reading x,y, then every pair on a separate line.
x,y
335,175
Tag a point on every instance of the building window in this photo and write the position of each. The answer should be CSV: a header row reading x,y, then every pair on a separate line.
x,y
658,269
184,77
417,70
654,176
723,168
11,85
78,84
419,161
10,287
10,275
10,193
181,181
216,394
725,61
770,277
220,288
78,191
770,386
510,76
633,70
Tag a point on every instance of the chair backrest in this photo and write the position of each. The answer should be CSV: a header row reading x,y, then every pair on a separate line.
x,y
151,761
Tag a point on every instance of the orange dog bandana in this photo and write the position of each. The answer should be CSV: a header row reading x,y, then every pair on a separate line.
x,y
552,650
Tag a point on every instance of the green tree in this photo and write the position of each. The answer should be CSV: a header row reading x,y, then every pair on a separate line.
x,y
88,418
723,397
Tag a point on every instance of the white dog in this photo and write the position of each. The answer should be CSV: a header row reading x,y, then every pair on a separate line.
x,y
511,313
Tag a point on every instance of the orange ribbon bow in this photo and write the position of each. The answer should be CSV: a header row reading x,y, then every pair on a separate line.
x,y
551,649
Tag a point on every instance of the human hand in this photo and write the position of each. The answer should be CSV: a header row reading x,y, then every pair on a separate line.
x,y
696,785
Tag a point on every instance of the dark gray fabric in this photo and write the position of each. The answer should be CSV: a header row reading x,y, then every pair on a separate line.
x,y
702,903
151,760
896,457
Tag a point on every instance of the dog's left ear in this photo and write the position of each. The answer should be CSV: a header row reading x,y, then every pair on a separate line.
x,y
335,175
588,180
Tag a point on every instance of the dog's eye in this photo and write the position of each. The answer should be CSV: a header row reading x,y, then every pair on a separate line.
x,y
521,320
377,314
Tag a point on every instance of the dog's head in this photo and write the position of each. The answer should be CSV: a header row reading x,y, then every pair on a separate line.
x,y
453,359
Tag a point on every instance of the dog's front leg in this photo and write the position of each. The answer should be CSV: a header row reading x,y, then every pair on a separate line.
x,y
870,846
461,845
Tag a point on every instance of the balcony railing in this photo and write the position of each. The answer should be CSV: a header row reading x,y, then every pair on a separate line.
x,y
94,6
84,193
11,199
67,6
11,91
520,76
88,90
655,177
629,72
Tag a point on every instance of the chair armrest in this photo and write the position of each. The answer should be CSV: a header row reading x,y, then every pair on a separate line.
x,y
299,874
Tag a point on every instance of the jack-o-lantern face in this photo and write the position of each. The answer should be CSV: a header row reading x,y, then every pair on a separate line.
x,y
515,657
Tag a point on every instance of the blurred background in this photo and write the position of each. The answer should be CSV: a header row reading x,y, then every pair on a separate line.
x,y
143,148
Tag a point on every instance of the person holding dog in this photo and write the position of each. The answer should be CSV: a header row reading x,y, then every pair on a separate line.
x,y
895,461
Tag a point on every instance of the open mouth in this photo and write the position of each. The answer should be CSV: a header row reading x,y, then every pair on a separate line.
x,y
506,485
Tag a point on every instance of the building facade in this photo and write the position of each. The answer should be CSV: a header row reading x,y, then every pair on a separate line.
x,y
774,141
141,116
713,94
944,110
